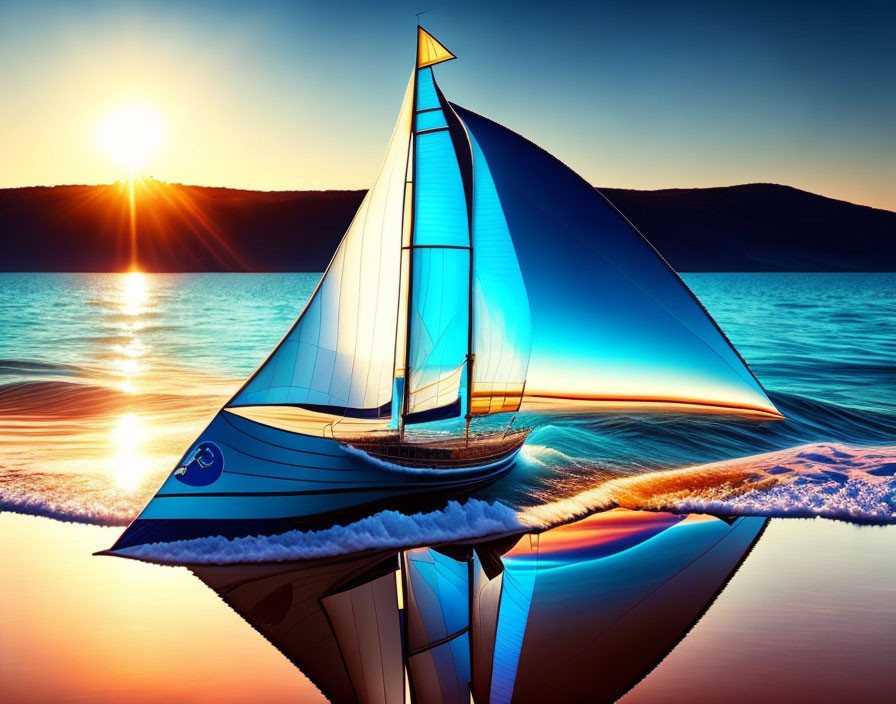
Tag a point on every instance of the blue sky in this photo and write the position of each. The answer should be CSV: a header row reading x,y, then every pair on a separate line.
x,y
278,95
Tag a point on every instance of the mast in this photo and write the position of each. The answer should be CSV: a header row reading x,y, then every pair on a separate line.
x,y
409,212
428,53
471,358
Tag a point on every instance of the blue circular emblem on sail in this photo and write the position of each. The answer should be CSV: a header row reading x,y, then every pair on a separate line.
x,y
202,465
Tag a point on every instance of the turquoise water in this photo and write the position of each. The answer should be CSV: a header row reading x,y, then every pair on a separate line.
x,y
105,378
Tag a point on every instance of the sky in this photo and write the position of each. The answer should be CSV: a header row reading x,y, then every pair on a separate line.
x,y
303,95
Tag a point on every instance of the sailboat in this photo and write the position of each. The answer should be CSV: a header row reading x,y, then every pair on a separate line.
x,y
479,277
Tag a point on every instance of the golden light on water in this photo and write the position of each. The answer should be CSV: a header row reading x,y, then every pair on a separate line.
x,y
133,301
134,292
128,437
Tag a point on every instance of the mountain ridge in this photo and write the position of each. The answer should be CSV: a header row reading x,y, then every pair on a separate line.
x,y
748,227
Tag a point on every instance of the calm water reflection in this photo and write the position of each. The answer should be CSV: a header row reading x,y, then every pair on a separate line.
x,y
579,613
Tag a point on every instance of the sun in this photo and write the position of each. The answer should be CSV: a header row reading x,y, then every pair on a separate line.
x,y
131,135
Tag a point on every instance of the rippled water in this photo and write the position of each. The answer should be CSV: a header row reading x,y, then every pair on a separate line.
x,y
105,379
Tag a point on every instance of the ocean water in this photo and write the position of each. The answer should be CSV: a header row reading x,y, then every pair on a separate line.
x,y
106,378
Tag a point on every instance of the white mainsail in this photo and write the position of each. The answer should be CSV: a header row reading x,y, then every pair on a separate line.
x,y
339,355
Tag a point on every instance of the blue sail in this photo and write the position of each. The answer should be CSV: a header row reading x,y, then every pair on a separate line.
x,y
439,300
611,321
502,329
437,617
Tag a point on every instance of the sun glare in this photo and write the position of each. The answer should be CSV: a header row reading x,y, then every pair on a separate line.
x,y
131,135
130,464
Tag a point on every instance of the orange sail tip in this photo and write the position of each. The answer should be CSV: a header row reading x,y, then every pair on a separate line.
x,y
430,50
552,402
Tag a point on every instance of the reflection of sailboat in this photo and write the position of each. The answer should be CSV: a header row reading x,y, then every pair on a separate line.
x,y
580,613
479,274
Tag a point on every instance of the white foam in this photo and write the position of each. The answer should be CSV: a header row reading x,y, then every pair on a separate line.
x,y
85,498
387,529
545,456
828,480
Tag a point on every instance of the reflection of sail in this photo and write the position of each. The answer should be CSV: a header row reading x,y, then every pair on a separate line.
x,y
364,618
611,604
438,624
610,319
580,613
282,601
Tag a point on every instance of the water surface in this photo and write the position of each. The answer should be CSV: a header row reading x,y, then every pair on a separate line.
x,y
105,380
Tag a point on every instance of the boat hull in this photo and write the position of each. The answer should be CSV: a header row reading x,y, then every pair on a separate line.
x,y
273,481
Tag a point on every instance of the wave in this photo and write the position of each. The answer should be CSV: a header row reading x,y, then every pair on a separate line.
x,y
387,529
57,398
71,400
828,480
18,367
623,443
823,480
83,498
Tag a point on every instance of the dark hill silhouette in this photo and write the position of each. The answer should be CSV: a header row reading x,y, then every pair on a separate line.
x,y
756,227
760,227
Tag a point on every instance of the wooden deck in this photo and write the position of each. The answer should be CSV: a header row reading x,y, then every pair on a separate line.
x,y
434,452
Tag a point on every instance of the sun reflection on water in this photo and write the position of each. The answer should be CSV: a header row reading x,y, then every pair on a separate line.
x,y
130,465
133,301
